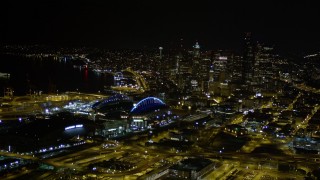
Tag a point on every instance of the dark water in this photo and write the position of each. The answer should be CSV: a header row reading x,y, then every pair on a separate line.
x,y
49,76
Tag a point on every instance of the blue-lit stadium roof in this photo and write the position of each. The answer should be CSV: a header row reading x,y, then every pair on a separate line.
x,y
111,99
148,104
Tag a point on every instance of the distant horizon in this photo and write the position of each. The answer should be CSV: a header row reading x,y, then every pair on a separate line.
x,y
290,27
171,46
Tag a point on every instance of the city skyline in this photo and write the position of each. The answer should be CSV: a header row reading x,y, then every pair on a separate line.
x,y
159,90
142,24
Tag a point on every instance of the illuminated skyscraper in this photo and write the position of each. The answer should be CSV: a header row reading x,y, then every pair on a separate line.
x,y
196,68
248,59
264,66
196,60
220,65
211,80
196,50
211,74
263,63
160,55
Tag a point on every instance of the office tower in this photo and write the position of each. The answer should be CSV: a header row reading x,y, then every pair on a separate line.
x,y
248,59
196,50
263,63
160,55
196,78
196,61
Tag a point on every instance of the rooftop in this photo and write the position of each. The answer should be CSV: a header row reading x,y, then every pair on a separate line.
x,y
191,164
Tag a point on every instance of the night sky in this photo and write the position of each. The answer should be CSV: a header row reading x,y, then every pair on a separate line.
x,y
136,24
